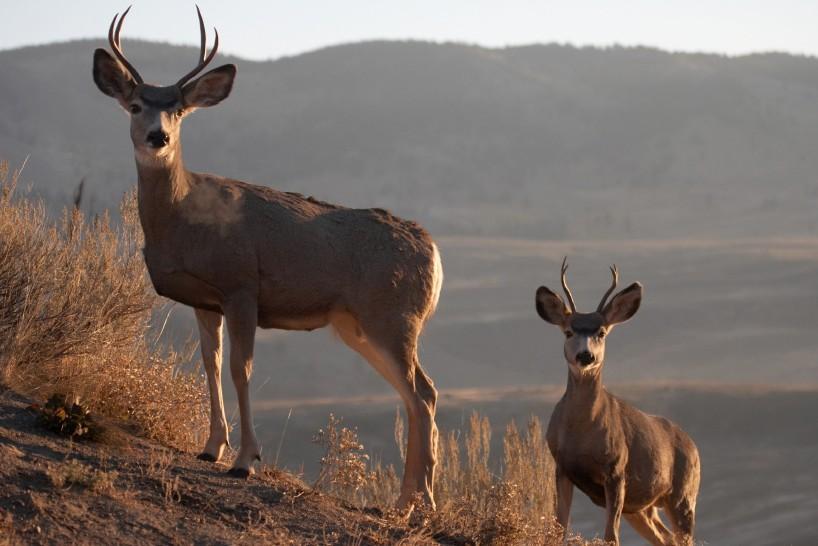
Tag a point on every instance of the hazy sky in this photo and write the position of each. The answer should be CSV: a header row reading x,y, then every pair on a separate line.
x,y
260,30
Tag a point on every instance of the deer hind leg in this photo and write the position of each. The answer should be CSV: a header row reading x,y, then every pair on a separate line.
x,y
649,525
210,336
680,506
395,358
241,316
424,404
682,515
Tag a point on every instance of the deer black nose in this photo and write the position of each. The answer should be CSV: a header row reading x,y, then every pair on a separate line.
x,y
585,358
158,139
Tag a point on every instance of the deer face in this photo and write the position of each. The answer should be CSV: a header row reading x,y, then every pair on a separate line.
x,y
585,339
586,333
156,117
157,112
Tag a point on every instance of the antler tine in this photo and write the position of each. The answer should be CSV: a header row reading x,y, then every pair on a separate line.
x,y
202,36
215,48
614,282
119,28
203,61
565,286
113,40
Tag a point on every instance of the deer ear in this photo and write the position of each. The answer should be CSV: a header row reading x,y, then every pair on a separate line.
x,y
624,305
111,78
550,307
211,88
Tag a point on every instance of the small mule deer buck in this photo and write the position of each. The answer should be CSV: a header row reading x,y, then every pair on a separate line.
x,y
258,257
623,459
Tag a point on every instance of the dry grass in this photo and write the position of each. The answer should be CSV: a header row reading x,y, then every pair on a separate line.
x,y
159,468
76,308
476,503
8,532
74,473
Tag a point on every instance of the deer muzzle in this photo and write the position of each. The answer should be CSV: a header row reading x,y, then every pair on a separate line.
x,y
585,358
158,139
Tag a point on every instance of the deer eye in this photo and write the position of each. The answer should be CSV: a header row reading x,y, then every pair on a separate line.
x,y
135,108
601,334
180,112
569,333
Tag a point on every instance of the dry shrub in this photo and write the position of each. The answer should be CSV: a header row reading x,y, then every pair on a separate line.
x,y
76,308
344,464
476,503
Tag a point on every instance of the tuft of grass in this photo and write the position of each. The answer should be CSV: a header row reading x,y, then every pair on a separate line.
x,y
76,310
74,473
159,469
8,534
510,504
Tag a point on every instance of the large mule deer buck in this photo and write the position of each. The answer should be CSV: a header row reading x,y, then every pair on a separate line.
x,y
253,257
626,461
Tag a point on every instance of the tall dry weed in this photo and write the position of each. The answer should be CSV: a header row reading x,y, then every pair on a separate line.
x,y
76,308
508,502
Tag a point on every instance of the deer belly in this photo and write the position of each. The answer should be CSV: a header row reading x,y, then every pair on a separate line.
x,y
187,289
640,490
304,322
294,306
646,483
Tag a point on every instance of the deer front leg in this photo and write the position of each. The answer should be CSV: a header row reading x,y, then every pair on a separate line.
x,y
614,502
565,494
241,316
210,342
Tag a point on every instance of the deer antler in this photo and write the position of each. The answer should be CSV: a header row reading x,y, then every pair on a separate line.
x,y
615,274
203,62
113,40
565,286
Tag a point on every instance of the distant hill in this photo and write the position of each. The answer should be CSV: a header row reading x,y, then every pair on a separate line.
x,y
544,141
541,142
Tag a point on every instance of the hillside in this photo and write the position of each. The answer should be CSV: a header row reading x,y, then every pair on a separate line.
x,y
543,141
136,492
758,458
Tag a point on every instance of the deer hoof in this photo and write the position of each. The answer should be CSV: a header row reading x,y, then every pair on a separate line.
x,y
241,473
206,457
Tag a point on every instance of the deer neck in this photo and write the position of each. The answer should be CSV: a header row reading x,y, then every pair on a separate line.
x,y
162,184
585,396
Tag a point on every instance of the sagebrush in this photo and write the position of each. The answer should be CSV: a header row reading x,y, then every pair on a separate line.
x,y
76,309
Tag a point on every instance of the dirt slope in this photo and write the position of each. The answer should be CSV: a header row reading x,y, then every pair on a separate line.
x,y
132,491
